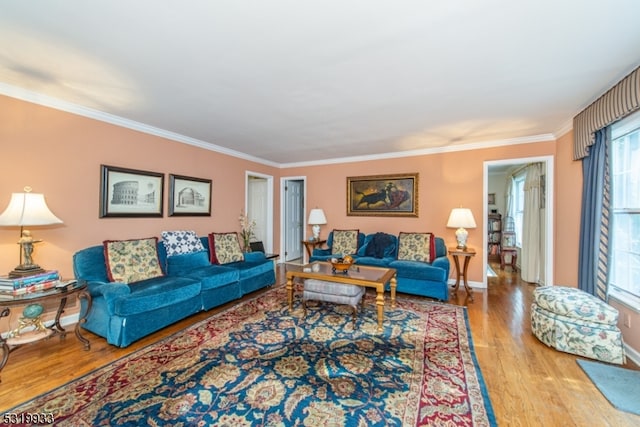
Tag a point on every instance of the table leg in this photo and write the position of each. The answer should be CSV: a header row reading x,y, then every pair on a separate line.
x,y
394,284
87,297
464,275
290,292
5,347
380,305
457,263
57,326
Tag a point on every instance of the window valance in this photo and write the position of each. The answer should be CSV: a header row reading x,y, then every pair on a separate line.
x,y
616,103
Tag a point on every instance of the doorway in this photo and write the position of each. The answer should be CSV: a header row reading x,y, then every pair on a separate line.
x,y
293,192
494,167
259,206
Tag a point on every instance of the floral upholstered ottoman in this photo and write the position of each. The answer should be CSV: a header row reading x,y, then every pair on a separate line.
x,y
573,321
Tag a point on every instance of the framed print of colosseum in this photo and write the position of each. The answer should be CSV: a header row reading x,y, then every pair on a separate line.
x,y
189,196
130,192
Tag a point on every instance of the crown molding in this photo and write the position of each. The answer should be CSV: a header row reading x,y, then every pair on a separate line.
x,y
428,151
69,107
48,101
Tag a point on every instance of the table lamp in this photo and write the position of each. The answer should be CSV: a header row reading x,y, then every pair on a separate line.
x,y
27,209
461,218
316,218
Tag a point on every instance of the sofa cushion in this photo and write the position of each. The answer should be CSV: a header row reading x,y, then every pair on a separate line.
x,y
416,247
418,270
345,242
214,276
181,265
152,294
181,242
131,261
225,248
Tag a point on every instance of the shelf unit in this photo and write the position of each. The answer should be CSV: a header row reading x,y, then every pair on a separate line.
x,y
494,229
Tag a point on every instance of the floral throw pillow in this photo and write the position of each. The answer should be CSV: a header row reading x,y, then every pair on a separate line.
x,y
131,261
345,242
225,248
181,242
416,247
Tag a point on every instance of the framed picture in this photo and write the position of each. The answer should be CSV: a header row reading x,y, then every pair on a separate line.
x,y
383,195
130,192
491,199
189,196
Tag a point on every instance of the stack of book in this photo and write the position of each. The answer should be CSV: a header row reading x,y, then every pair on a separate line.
x,y
27,284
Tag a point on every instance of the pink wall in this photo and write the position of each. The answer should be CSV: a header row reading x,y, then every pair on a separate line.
x,y
447,180
568,201
59,154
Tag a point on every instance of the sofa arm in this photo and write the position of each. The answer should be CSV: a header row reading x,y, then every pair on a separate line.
x,y
107,289
419,270
254,256
110,291
443,263
321,252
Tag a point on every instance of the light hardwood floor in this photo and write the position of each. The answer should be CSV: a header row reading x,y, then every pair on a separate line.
x,y
529,384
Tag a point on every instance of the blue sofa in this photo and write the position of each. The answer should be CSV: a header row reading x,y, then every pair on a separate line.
x,y
123,313
413,277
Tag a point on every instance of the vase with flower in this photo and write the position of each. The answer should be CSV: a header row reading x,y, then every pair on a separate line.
x,y
247,228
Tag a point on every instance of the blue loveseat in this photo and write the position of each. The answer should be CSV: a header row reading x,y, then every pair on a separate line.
x,y
123,313
413,277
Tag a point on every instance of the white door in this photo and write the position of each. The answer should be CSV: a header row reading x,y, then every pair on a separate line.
x,y
257,207
294,219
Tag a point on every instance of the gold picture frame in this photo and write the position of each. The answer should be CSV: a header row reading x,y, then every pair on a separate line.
x,y
383,195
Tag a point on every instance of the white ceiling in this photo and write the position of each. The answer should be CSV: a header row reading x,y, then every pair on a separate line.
x,y
290,81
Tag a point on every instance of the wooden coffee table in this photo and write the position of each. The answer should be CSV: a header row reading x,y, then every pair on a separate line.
x,y
359,275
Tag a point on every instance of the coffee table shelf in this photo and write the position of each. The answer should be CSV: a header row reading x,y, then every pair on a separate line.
x,y
359,275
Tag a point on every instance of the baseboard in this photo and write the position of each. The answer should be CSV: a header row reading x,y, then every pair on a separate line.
x,y
477,285
64,321
632,354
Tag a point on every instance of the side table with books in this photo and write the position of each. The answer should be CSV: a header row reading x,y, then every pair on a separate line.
x,y
30,294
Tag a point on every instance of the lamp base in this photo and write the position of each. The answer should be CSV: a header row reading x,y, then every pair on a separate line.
x,y
26,270
316,232
461,238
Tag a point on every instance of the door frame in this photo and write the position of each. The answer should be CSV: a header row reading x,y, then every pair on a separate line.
x,y
269,222
550,209
283,183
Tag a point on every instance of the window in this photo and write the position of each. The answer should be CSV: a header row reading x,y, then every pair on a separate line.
x,y
518,206
624,248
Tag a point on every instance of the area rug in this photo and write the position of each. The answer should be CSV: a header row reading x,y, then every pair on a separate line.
x,y
259,364
620,386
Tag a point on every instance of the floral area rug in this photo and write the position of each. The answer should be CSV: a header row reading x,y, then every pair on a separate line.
x,y
258,364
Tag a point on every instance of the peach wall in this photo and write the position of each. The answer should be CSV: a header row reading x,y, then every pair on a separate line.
x,y
59,154
568,199
447,180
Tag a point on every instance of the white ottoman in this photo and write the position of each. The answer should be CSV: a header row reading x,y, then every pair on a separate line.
x,y
337,293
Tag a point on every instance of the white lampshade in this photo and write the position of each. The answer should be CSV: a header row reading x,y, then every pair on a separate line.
x,y
461,218
316,217
28,209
